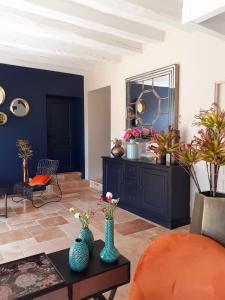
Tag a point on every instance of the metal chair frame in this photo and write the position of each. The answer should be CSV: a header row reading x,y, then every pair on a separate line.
x,y
45,167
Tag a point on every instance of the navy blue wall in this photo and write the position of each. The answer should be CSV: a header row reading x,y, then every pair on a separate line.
x,y
32,85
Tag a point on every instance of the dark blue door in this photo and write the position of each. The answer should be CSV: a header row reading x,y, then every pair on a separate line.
x,y
66,132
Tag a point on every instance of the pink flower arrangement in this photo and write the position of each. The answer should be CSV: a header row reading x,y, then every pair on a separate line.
x,y
108,207
131,133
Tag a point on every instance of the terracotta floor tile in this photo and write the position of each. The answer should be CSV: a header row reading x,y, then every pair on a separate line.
x,y
133,226
49,233
35,229
13,235
52,221
24,218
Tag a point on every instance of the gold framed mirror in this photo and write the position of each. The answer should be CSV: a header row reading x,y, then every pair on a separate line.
x,y
2,95
19,107
3,118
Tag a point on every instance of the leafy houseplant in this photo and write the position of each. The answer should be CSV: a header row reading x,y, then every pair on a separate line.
x,y
25,153
109,253
207,146
162,144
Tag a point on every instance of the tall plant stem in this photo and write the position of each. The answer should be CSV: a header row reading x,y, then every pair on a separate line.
x,y
210,187
216,174
191,172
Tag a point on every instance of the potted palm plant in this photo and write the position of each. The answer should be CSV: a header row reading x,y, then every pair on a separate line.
x,y
207,146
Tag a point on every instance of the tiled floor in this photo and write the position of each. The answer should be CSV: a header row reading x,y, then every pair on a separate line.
x,y
28,230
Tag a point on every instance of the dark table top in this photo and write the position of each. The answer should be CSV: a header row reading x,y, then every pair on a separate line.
x,y
61,261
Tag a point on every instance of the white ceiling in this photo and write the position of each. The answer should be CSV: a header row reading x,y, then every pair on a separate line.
x,y
73,35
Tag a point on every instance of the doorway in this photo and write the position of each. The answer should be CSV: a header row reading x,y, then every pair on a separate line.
x,y
65,132
99,130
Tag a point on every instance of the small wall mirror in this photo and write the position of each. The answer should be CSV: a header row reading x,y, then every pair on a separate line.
x,y
19,107
3,118
152,99
2,95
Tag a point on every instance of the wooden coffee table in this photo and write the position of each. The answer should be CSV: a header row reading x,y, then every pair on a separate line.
x,y
97,279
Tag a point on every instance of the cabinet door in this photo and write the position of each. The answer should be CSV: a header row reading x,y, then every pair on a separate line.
x,y
154,192
131,186
113,177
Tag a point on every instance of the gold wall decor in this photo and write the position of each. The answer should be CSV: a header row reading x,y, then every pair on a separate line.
x,y
153,96
19,107
2,95
3,118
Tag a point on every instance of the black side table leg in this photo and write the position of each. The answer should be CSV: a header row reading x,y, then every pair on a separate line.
x,y
112,294
70,292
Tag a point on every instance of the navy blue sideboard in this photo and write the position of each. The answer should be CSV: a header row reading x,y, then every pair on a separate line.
x,y
159,193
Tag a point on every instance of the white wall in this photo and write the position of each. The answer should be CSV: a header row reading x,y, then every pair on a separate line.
x,y
202,62
99,127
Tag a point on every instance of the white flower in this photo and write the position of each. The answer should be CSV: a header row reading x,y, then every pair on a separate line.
x,y
77,215
109,195
115,201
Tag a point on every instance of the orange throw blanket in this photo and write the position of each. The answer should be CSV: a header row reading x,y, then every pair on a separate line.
x,y
180,267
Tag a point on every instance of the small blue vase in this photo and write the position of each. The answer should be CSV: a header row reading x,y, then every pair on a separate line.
x,y
78,255
132,150
86,235
109,253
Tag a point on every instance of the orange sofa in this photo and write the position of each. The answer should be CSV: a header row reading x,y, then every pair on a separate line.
x,y
180,266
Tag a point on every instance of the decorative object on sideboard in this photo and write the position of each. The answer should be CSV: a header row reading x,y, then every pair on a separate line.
x,y
207,146
85,233
117,150
130,113
153,98
109,254
2,95
78,255
25,153
3,118
162,144
19,107
132,147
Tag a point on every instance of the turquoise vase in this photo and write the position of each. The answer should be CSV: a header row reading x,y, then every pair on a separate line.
x,y
109,253
78,255
132,150
86,235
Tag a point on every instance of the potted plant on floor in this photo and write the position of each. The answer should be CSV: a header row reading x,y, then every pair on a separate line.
x,y
207,146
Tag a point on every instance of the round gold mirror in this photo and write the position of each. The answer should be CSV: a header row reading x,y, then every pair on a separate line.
x,y
140,106
19,107
3,118
130,113
2,95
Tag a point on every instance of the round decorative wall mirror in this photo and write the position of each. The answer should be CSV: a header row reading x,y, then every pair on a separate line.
x,y
2,95
3,118
19,107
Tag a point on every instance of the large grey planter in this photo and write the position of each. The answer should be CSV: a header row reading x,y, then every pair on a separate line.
x,y
208,216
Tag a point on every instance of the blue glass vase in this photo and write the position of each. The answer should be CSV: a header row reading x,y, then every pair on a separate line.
x,y
86,235
109,253
78,255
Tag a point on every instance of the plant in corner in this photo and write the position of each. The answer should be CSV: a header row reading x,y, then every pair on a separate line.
x,y
207,146
109,253
25,153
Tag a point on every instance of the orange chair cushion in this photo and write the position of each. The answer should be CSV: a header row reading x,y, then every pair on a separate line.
x,y
180,267
40,180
